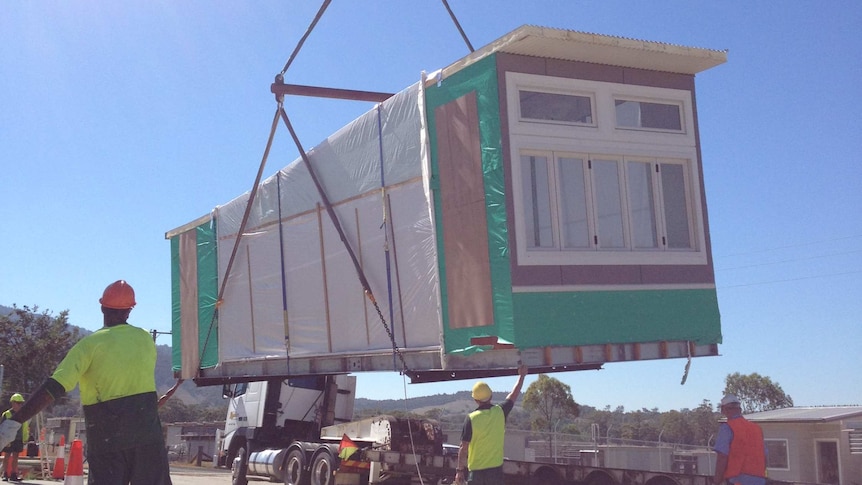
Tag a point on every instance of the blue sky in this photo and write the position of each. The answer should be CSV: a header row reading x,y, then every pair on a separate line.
x,y
122,120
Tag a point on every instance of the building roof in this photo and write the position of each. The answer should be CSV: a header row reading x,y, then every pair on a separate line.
x,y
571,45
810,414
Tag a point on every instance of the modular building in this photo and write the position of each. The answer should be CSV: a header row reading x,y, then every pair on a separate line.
x,y
541,199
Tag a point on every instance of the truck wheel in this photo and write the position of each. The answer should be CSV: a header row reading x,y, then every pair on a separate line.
x,y
240,467
323,469
294,468
546,476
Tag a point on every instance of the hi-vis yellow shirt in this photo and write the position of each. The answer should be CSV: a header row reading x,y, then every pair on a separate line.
x,y
110,363
489,432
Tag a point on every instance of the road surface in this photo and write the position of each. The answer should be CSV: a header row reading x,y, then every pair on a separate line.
x,y
180,475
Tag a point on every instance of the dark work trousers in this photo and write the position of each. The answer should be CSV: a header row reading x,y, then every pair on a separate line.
x,y
488,476
142,465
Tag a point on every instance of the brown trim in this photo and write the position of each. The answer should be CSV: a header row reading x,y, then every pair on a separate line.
x,y
464,218
321,92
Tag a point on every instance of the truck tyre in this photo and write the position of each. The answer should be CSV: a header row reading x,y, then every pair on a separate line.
x,y
600,478
230,456
546,476
240,467
295,472
323,469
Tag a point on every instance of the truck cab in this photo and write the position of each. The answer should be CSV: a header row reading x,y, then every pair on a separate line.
x,y
275,412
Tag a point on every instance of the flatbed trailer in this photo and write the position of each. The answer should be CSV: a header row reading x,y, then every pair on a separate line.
x,y
519,472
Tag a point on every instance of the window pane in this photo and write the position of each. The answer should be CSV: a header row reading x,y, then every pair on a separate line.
x,y
555,107
537,206
641,205
776,454
573,197
676,213
609,213
639,114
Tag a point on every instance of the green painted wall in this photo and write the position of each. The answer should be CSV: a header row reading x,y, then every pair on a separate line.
x,y
481,78
207,285
600,317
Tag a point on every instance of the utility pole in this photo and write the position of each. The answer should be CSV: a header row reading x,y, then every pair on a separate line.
x,y
156,333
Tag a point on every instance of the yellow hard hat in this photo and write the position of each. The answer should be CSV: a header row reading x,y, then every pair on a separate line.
x,y
16,398
481,391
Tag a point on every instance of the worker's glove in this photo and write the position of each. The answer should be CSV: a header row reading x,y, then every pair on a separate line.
x,y
8,430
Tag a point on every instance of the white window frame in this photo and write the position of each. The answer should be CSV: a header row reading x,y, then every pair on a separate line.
x,y
604,141
639,99
786,450
545,89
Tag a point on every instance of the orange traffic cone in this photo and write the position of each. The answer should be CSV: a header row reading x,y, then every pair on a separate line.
x,y
75,473
60,461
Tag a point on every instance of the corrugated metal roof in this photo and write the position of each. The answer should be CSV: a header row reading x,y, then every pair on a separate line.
x,y
809,414
571,45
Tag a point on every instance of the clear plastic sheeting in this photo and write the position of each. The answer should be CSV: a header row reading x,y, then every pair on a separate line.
x,y
293,289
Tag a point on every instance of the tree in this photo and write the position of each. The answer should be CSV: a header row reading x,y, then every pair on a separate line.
x,y
548,400
26,333
641,425
675,427
704,422
756,393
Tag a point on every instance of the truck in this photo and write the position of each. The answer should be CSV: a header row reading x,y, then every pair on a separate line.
x,y
294,431
540,200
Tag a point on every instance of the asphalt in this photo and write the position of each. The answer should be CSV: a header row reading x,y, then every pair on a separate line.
x,y
181,474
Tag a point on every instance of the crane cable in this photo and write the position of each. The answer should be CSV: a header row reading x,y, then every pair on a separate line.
x,y
305,36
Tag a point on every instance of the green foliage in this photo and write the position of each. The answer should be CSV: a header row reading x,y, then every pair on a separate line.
x,y
756,393
549,401
640,425
702,421
31,346
176,411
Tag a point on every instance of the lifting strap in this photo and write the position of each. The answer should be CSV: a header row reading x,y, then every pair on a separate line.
x,y
305,36
458,26
366,287
239,234
330,211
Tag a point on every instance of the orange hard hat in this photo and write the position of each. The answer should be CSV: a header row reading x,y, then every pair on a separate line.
x,y
119,295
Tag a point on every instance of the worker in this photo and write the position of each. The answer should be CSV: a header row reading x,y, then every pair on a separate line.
x,y
740,448
10,452
483,435
114,367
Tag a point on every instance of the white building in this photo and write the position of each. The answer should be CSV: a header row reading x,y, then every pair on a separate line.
x,y
821,444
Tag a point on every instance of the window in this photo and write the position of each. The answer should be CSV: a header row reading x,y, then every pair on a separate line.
x,y
854,436
776,454
648,115
600,202
603,173
541,106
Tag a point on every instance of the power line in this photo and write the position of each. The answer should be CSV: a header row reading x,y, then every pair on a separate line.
x,y
810,243
788,280
790,260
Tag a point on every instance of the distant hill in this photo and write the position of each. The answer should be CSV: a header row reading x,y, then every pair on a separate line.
x,y
189,392
211,396
459,402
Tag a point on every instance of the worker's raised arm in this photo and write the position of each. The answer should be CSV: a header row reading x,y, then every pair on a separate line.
x,y
170,393
516,391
